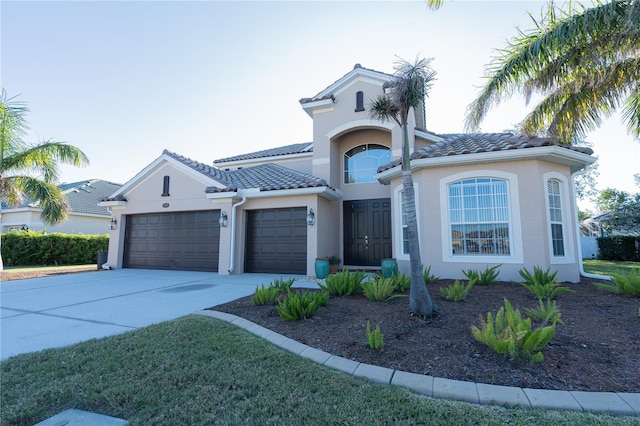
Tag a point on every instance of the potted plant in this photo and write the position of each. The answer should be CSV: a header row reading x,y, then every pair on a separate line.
x,y
334,264
322,268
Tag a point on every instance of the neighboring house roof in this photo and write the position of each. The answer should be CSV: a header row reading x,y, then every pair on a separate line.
x,y
475,143
83,197
296,148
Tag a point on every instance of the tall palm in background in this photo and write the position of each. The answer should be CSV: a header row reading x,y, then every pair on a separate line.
x,y
407,91
30,172
585,62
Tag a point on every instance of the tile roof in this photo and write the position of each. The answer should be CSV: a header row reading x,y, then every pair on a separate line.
x,y
207,170
83,196
296,148
269,177
474,143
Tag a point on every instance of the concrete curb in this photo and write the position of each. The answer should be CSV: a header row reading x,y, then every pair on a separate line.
x,y
625,404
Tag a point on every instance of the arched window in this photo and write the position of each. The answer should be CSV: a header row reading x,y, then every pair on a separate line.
x,y
361,163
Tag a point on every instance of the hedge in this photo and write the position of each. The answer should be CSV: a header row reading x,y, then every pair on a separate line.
x,y
31,248
625,248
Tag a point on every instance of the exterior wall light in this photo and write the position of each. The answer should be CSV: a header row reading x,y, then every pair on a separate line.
x,y
223,220
311,217
113,224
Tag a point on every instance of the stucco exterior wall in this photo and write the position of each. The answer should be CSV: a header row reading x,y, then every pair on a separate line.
x,y
186,193
530,227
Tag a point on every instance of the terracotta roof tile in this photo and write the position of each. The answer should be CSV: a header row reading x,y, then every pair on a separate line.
x,y
474,143
296,148
268,177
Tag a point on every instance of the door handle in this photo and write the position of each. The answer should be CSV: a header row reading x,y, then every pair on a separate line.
x,y
366,241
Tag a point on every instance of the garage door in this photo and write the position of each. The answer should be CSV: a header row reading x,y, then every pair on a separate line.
x,y
277,241
188,241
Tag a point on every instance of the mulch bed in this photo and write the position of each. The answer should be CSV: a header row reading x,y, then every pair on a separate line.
x,y
596,349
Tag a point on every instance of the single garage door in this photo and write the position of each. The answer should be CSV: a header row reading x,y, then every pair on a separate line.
x,y
277,241
188,241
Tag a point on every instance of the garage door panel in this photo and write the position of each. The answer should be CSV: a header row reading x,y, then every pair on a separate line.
x,y
181,241
276,241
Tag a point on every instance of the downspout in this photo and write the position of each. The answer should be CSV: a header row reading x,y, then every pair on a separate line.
x,y
579,245
233,233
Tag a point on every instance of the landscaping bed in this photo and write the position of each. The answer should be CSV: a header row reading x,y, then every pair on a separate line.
x,y
596,349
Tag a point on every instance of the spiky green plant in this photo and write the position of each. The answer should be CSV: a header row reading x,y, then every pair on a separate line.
x,y
343,283
485,277
403,282
511,334
546,313
282,285
375,337
379,289
301,305
542,283
624,283
428,276
264,295
456,292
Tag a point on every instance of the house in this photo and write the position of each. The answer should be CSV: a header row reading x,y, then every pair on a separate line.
x,y
85,216
481,199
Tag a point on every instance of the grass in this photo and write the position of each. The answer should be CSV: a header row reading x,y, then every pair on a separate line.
x,y
199,371
608,267
64,268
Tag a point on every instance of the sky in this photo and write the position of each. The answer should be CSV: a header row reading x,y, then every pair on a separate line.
x,y
124,80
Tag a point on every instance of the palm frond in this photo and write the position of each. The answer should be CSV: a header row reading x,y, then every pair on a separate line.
x,y
567,51
47,196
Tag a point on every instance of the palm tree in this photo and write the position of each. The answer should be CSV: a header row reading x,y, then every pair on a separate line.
x,y
407,91
31,171
585,63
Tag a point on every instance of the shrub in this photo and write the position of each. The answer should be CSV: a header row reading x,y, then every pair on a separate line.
x,y
343,283
619,247
296,306
428,276
624,283
282,285
545,313
542,284
379,289
27,248
510,334
456,291
375,337
485,277
264,295
403,282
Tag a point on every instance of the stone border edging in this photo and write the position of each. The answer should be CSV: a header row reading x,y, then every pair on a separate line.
x,y
615,403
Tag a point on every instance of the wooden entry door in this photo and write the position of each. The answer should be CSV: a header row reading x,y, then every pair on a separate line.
x,y
367,231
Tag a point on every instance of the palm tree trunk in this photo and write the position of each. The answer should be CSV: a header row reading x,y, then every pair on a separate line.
x,y
420,301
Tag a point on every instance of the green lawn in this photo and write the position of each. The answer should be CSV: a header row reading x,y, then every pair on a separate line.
x,y
64,268
199,371
608,267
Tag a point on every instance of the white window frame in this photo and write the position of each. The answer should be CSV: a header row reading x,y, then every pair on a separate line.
x,y
516,254
398,243
566,222
344,168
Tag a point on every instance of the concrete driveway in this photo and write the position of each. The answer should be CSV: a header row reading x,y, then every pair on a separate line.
x,y
60,310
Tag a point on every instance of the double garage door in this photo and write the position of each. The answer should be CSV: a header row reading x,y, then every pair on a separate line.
x,y
276,241
188,241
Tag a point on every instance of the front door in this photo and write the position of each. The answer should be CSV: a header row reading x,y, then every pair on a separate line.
x,y
367,231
